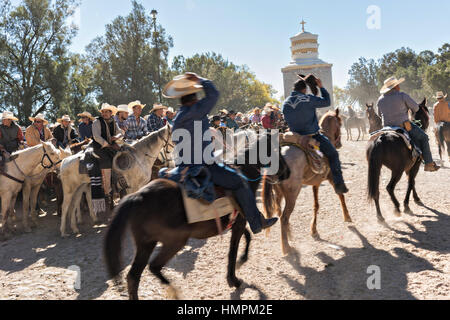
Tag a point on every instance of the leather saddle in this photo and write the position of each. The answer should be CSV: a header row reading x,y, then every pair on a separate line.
x,y
401,133
318,163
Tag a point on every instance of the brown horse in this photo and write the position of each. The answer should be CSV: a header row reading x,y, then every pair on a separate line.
x,y
391,151
374,120
156,214
443,138
301,174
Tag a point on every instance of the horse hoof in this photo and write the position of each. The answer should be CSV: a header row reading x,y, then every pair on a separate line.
x,y
172,293
348,220
65,235
234,282
408,211
397,213
315,235
419,203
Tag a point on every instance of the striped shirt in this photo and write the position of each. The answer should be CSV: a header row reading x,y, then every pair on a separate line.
x,y
136,131
154,123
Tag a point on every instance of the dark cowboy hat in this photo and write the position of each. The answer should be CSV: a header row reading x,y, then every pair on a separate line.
x,y
310,80
231,112
215,118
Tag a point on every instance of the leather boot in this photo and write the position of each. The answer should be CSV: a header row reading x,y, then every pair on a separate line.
x,y
432,167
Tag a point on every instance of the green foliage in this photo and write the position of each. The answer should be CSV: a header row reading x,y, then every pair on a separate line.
x,y
425,73
238,86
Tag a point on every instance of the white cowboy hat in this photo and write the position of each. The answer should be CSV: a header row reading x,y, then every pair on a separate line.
x,y
224,111
157,107
131,105
109,107
86,114
440,95
64,118
390,84
7,115
170,109
180,86
39,116
123,108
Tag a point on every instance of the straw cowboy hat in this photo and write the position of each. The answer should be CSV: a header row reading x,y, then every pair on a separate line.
x,y
123,108
109,107
133,104
85,114
64,118
180,86
39,116
7,115
224,111
390,84
271,106
440,95
157,107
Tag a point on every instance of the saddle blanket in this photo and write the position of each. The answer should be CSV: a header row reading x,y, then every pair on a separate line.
x,y
316,160
198,211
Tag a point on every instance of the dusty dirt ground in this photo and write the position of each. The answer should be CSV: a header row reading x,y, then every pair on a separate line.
x,y
412,252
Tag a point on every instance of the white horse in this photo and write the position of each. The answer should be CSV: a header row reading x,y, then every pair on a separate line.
x,y
32,186
24,167
134,164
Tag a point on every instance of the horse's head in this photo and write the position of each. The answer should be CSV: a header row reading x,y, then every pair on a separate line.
x,y
331,124
51,156
370,109
423,115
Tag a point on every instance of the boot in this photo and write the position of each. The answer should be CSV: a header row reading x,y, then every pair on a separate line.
x,y
340,188
431,167
264,224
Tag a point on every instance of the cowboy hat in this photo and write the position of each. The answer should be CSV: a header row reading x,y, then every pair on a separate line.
x,y
440,95
224,111
7,115
390,84
39,116
256,109
123,108
170,109
180,86
157,107
109,107
86,114
64,118
133,104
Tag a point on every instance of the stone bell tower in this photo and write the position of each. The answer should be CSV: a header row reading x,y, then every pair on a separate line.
x,y
305,60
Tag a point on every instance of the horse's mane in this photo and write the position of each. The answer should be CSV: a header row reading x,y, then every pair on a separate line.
x,y
19,152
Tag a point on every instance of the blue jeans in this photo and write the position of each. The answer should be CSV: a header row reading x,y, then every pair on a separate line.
x,y
333,157
244,196
420,138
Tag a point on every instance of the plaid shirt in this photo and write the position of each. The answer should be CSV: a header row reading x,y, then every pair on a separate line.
x,y
154,122
136,131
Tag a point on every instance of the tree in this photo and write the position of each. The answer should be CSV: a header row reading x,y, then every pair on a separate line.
x,y
437,76
342,98
238,86
34,40
363,85
125,61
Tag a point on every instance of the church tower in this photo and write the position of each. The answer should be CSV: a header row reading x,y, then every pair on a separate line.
x,y
305,60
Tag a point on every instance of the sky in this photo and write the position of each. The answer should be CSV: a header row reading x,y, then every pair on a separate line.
x,y
257,32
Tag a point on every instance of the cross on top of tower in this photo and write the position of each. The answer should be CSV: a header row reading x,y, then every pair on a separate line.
x,y
303,25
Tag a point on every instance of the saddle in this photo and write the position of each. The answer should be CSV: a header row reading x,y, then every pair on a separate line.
x,y
317,162
401,133
203,201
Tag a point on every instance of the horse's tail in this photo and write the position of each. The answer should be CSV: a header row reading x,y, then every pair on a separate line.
x,y
375,164
269,198
113,240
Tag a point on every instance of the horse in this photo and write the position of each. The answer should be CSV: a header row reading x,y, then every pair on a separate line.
x,y
391,151
289,189
24,167
374,120
355,122
444,132
134,163
156,214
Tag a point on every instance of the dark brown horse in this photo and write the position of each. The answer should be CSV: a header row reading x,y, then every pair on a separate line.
x,y
391,151
156,214
375,121
443,138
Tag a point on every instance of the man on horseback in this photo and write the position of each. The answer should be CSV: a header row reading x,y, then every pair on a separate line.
x,y
11,137
441,114
393,108
106,132
300,114
194,112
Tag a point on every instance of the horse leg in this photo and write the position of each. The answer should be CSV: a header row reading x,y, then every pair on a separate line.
x,y
285,232
244,258
167,252
395,178
66,207
6,204
26,194
93,215
33,200
143,252
359,134
74,206
448,149
237,232
347,217
314,232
